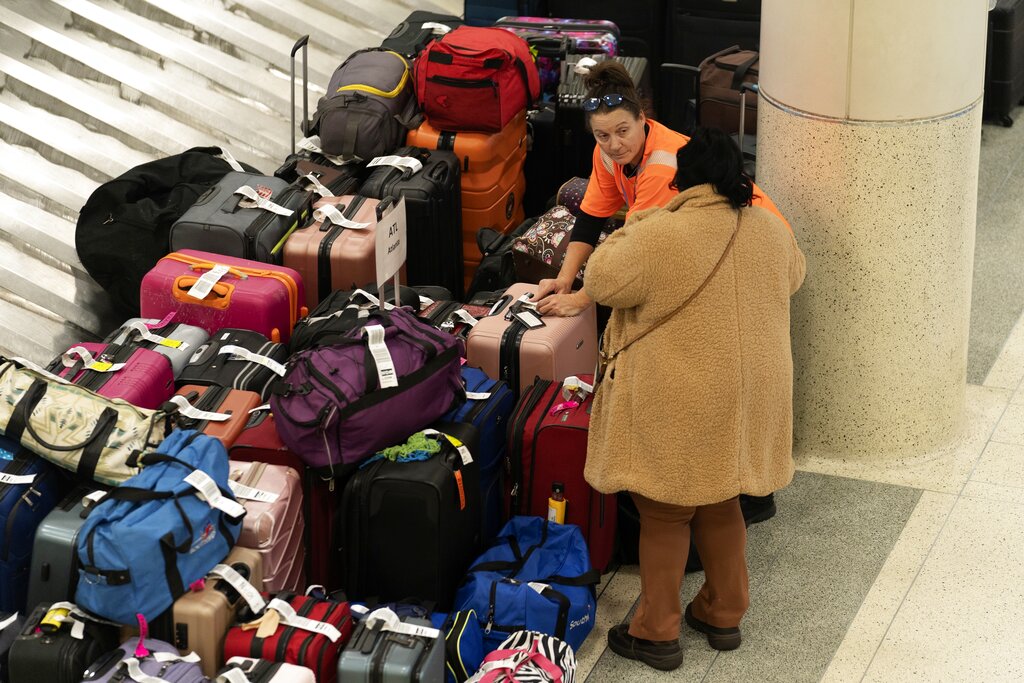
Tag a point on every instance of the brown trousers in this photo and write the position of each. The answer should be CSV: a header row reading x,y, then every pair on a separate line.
x,y
720,536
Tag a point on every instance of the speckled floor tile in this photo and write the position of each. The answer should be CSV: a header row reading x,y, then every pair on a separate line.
x,y
944,470
1002,150
613,603
875,615
984,490
1002,464
1007,370
961,619
810,568
1018,396
1011,427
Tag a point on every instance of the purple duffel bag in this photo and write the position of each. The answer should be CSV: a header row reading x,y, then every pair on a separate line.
x,y
367,389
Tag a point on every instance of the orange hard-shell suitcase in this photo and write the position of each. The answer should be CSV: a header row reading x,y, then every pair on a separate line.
x,y
235,403
508,350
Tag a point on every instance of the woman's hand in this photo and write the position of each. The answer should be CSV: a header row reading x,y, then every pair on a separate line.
x,y
552,286
564,305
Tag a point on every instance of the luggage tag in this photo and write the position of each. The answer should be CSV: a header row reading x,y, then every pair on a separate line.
x,y
574,386
436,28
228,157
39,370
244,492
389,621
248,592
242,353
287,615
154,324
65,613
143,331
90,363
135,672
312,144
318,187
478,395
232,675
330,214
374,300
525,311
204,285
210,492
410,166
188,410
258,201
467,457
386,374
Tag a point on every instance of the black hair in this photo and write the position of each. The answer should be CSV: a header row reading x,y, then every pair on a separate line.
x,y
712,156
611,78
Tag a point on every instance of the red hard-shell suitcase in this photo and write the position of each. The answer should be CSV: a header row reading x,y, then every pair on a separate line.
x,y
259,442
547,444
247,294
146,380
509,351
297,646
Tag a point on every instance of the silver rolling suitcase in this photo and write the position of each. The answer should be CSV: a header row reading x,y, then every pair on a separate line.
x,y
176,341
53,575
379,655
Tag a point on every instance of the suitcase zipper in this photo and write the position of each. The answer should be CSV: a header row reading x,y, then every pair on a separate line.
x,y
323,257
465,83
281,651
533,445
307,643
514,457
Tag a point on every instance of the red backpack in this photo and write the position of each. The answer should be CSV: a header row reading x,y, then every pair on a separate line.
x,y
476,79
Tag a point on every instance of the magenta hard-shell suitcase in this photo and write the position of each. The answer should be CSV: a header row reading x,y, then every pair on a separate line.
x,y
214,291
274,524
144,379
504,347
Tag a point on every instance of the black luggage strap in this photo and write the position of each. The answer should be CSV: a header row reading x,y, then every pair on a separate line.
x,y
23,409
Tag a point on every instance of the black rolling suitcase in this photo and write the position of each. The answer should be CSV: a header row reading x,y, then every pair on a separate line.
x,y
411,528
433,206
45,650
1004,60
411,36
214,364
10,627
698,29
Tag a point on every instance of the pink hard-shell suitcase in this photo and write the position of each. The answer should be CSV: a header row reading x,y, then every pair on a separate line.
x,y
145,381
243,294
274,528
506,349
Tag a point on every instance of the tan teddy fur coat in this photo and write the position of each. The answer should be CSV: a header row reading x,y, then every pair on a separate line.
x,y
700,409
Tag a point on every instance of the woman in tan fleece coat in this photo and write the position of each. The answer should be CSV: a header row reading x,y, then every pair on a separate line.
x,y
695,406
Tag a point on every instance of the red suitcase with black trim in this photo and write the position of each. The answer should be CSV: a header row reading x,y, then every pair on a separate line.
x,y
547,444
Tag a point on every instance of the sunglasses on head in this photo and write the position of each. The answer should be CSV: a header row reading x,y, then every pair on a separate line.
x,y
610,100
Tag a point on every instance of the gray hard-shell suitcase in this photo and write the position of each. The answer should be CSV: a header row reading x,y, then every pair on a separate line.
x,y
222,221
180,340
54,571
382,656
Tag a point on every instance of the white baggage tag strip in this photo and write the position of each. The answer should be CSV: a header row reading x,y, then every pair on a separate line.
x,y
290,618
136,673
329,212
204,285
574,382
478,395
415,165
25,362
465,316
312,144
318,187
8,621
203,483
261,202
90,363
244,588
228,157
249,493
436,28
372,299
153,323
188,410
233,675
77,625
144,333
242,353
16,479
381,356
424,302
93,498
526,301
265,406
537,586
529,319
390,622
467,457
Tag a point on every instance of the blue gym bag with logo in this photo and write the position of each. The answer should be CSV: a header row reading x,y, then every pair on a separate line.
x,y
536,577
159,532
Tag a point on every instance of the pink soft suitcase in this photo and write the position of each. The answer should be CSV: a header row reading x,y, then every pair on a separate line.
x,y
274,523
236,293
145,381
505,348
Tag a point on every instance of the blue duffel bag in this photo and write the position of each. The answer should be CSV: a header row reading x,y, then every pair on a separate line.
x,y
536,577
152,537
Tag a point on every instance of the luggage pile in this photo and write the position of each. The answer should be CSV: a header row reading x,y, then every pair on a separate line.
x,y
276,470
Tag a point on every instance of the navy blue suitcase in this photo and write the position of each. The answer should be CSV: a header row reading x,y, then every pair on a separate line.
x,y
30,488
490,416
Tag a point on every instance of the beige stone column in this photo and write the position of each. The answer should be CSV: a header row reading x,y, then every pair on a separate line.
x,y
869,134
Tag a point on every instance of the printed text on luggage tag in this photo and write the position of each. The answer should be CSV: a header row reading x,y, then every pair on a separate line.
x,y
529,319
244,588
16,479
188,410
249,493
242,353
88,362
205,484
381,356
411,163
144,333
204,285
290,618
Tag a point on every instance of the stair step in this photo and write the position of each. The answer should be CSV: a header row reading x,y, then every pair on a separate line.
x,y
173,90
139,35
29,176
101,109
30,331
295,18
65,142
45,231
237,35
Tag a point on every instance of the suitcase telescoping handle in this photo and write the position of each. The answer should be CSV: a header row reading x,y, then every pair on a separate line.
x,y
303,44
744,87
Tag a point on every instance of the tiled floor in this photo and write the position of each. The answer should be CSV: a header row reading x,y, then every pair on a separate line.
x,y
885,569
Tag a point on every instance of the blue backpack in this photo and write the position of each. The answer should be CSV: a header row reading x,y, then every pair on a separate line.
x,y
537,577
152,537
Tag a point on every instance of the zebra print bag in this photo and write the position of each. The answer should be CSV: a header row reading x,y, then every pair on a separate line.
x,y
528,657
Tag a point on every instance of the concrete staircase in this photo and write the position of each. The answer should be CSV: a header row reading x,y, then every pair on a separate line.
x,y
91,88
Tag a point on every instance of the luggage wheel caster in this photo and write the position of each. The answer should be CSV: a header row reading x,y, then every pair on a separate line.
x,y
1006,121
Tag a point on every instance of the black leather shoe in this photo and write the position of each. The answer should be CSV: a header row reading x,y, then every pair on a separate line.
x,y
664,655
757,508
718,638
